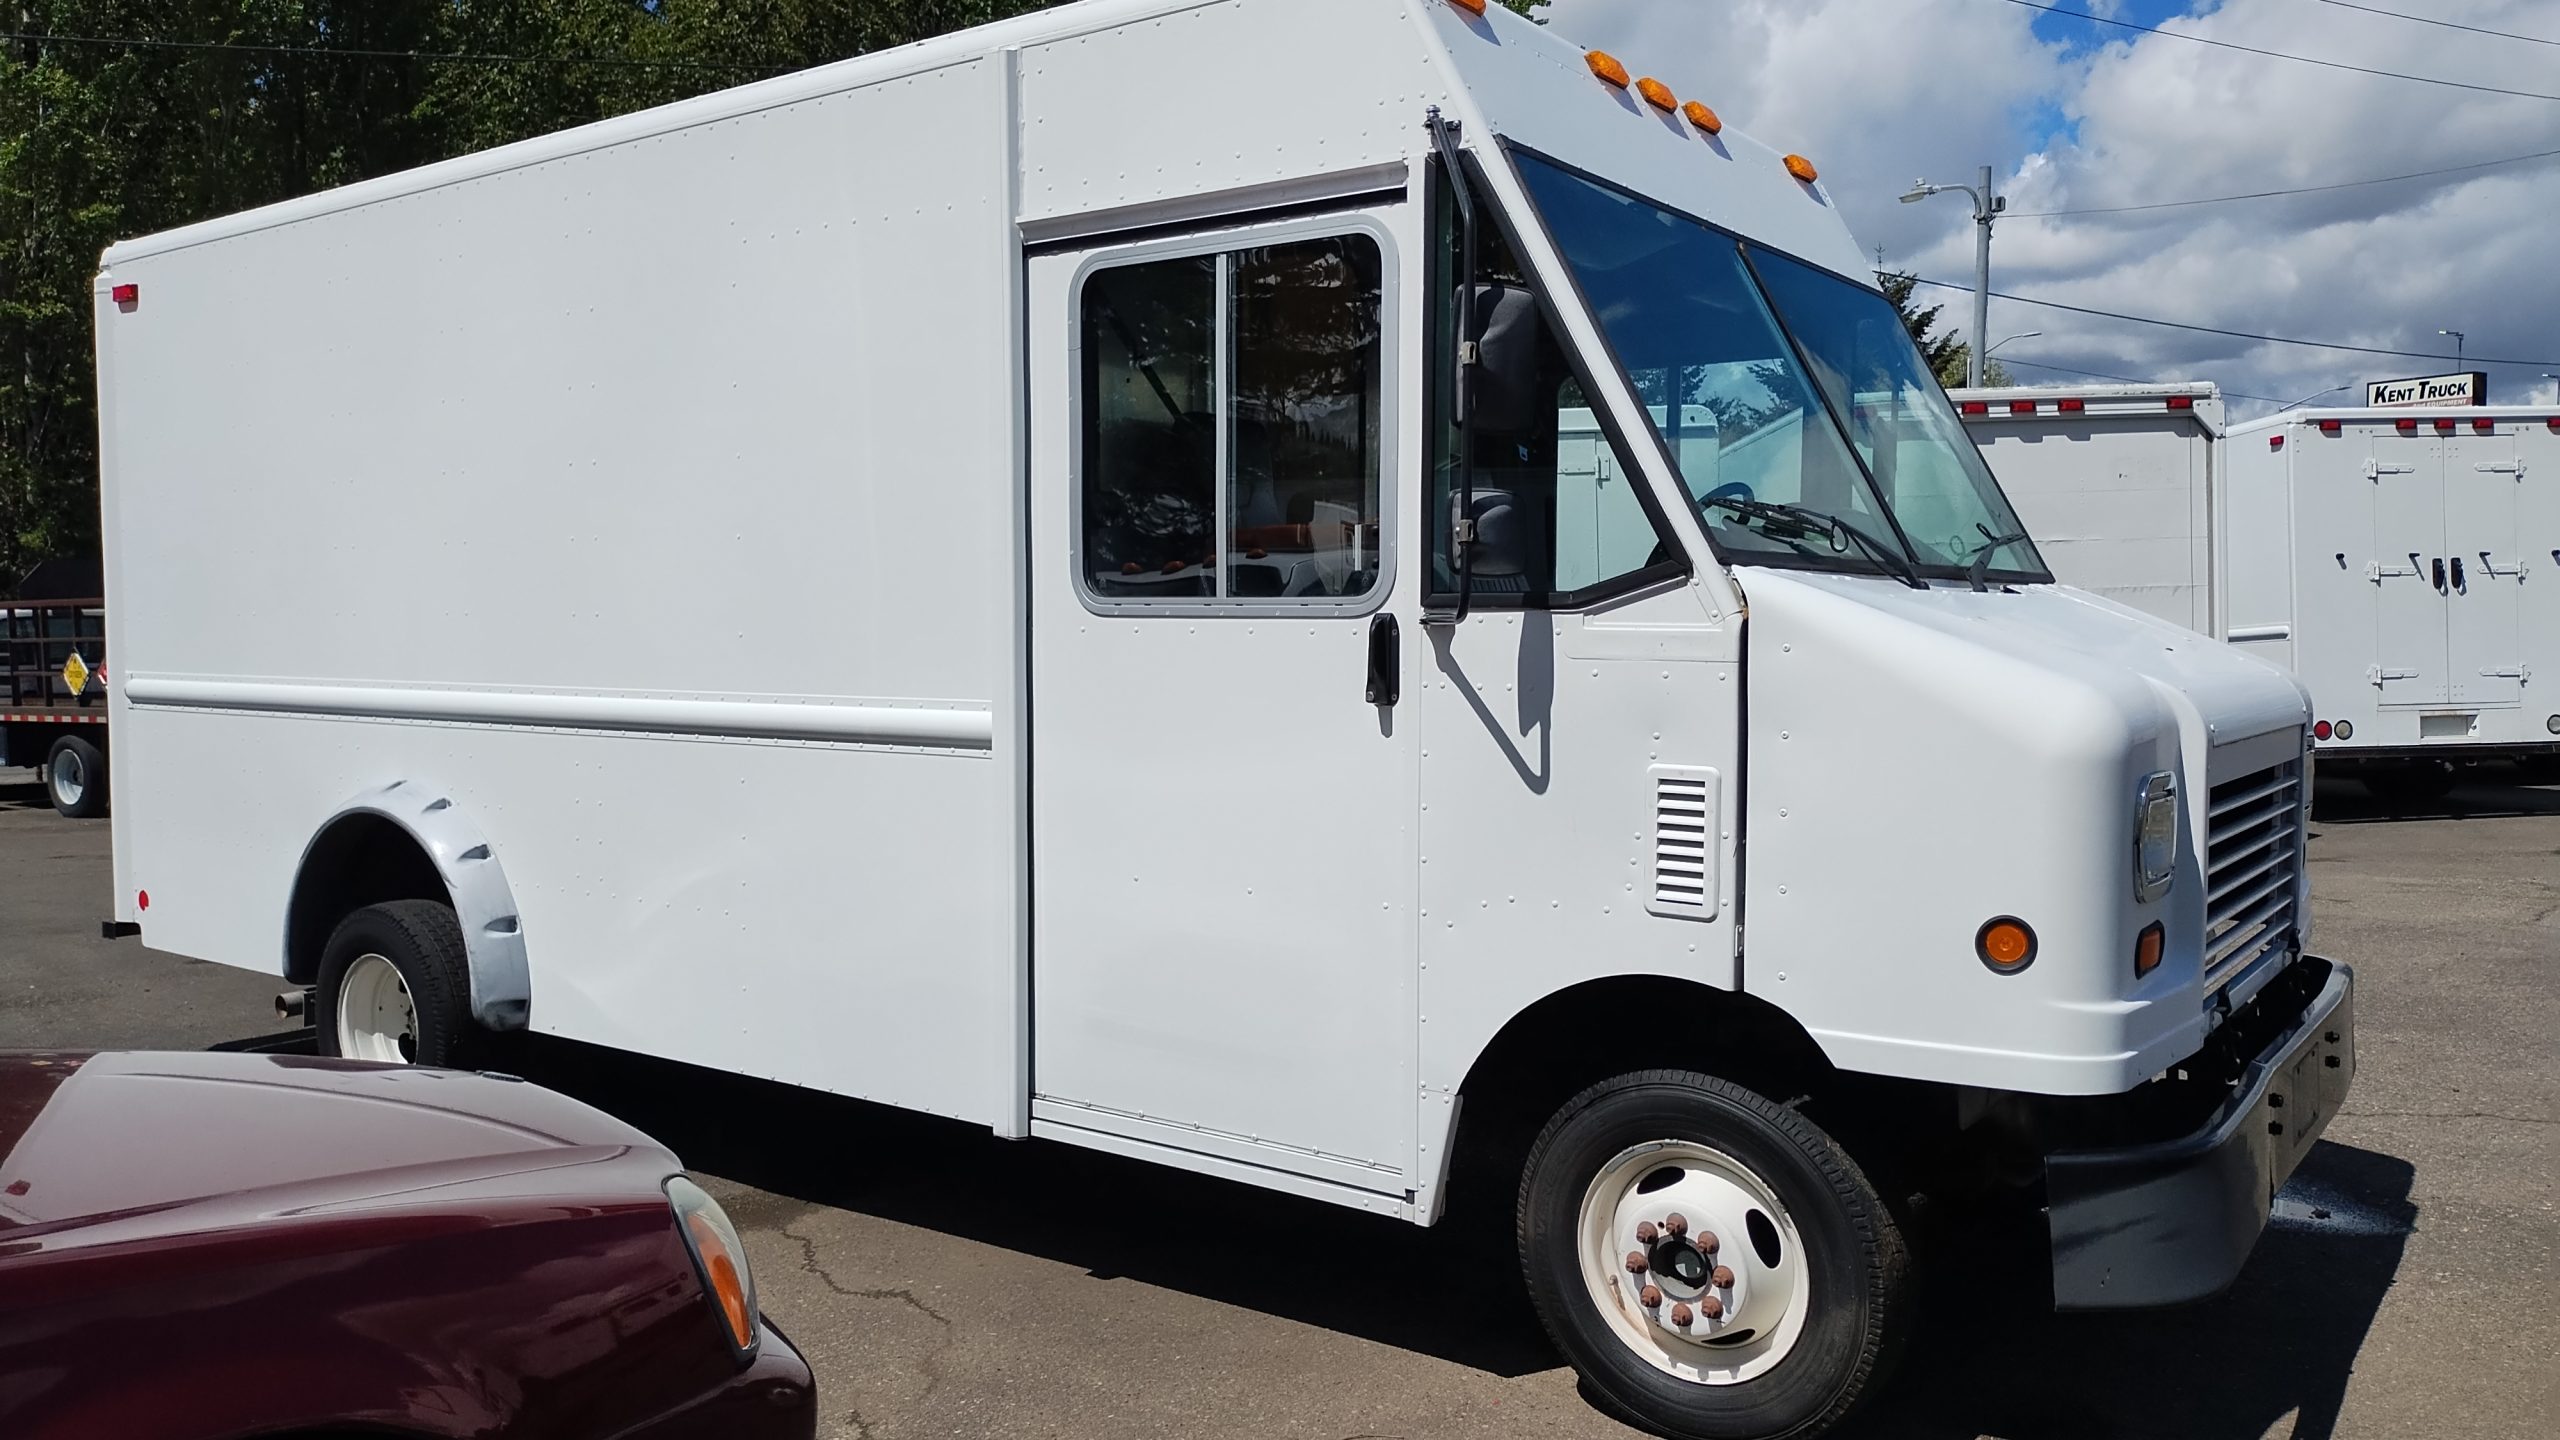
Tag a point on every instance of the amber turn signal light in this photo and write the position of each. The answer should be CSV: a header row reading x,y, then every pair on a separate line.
x,y
2146,949
719,1259
1606,66
2006,944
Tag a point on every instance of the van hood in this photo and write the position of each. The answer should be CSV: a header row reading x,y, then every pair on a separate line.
x,y
87,1137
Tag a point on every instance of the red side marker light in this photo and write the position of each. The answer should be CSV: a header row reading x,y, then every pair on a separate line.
x,y
2554,423
1983,407
2072,406
2484,427
2331,427
126,296
2022,407
2444,427
2182,402
2321,731
141,899
2275,442
2405,427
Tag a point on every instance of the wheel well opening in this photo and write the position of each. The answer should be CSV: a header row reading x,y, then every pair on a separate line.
x,y
359,860
1577,1037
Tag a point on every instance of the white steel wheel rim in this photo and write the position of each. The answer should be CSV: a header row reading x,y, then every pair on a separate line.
x,y
376,1018
70,776
1714,1195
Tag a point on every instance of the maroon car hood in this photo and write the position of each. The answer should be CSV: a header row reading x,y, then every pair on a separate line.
x,y
88,1136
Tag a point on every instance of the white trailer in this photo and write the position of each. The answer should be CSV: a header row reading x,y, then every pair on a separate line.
x,y
1252,656
2384,556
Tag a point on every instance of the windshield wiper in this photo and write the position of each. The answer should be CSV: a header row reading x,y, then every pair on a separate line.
x,y
1802,522
1991,545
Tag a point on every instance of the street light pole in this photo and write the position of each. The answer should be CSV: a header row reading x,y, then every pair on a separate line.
x,y
2457,346
1986,207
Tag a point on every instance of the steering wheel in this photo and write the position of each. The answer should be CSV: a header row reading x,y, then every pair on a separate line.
x,y
1731,490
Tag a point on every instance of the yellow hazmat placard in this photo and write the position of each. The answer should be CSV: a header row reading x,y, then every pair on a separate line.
x,y
75,673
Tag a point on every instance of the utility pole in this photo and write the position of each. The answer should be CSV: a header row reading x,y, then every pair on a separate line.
x,y
1986,208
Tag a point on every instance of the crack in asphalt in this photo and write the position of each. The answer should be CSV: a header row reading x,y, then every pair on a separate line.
x,y
2449,1115
930,1367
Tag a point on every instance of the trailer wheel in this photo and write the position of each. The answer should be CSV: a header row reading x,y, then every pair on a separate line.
x,y
1712,1263
395,985
75,775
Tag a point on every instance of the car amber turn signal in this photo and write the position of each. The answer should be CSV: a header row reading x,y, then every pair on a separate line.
x,y
2006,944
1802,169
719,1259
2146,949
1606,66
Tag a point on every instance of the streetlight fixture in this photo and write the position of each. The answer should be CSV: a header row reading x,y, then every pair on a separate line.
x,y
2457,346
2021,335
2316,394
1986,207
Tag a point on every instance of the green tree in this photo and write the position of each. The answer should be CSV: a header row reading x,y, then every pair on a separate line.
x,y
1528,8
1948,355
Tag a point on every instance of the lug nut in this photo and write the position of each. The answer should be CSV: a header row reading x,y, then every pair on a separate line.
x,y
1676,1226
1636,1263
1723,1277
1707,1242
1645,1232
1712,1308
1680,1315
1650,1297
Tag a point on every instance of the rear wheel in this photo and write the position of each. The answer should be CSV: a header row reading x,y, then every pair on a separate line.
x,y
1713,1264
75,776
395,985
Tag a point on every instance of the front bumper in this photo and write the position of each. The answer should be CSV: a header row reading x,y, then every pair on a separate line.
x,y
2174,1220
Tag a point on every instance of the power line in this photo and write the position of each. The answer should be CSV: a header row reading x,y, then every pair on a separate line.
x,y
123,42
2240,334
2270,194
2279,54
2431,20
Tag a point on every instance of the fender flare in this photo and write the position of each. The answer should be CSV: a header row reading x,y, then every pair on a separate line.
x,y
483,901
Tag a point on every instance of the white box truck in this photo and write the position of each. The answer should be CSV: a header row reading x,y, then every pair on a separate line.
x,y
1196,690
2386,556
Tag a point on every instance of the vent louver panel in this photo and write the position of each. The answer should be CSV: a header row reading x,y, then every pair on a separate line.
x,y
1686,841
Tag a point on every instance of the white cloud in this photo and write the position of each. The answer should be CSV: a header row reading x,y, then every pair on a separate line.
x,y
1878,91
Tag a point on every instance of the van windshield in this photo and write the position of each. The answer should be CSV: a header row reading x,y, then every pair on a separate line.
x,y
1793,401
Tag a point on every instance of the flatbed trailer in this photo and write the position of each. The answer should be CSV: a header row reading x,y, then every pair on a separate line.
x,y
46,721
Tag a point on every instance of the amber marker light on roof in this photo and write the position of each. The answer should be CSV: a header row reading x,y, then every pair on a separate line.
x,y
1657,94
1606,66
1472,7
1702,117
1802,169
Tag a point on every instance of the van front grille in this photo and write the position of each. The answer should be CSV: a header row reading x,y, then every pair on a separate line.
x,y
2253,870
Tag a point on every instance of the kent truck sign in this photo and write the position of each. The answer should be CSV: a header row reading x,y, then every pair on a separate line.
x,y
2471,389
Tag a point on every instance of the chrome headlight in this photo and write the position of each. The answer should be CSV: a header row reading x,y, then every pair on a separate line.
x,y
2155,837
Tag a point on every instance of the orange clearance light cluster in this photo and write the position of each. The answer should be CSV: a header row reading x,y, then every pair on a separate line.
x,y
1472,7
1657,94
1704,118
1606,66
1802,169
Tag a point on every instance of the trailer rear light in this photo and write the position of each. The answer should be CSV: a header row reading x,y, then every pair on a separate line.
x,y
2146,949
1983,407
2072,406
126,296
1707,120
2331,427
1802,169
2321,731
2405,427
2346,729
2554,423
2484,427
1606,66
1657,94
1472,7
2182,402
2022,407
2552,724
2444,427
141,899
2275,442
2005,944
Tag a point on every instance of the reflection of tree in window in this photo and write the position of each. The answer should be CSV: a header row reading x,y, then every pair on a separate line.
x,y
1151,474
1304,505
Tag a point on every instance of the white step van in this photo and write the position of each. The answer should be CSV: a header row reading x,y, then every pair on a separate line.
x,y
1335,593
2387,557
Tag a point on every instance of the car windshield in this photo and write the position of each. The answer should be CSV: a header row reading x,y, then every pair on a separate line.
x,y
1792,400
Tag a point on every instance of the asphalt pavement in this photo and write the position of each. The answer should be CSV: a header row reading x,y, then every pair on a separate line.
x,y
944,1283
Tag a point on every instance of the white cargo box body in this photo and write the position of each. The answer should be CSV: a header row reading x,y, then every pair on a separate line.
x,y
2406,565
2116,482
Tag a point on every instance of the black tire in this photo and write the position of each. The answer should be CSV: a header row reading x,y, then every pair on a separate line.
x,y
1857,1264
423,942
75,776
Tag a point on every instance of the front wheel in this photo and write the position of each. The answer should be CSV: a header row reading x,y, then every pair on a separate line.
x,y
1711,1262
395,986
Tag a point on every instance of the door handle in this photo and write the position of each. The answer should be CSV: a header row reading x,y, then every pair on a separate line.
x,y
2439,574
1386,661
2458,582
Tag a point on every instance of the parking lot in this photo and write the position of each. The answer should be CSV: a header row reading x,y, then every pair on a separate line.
x,y
944,1283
